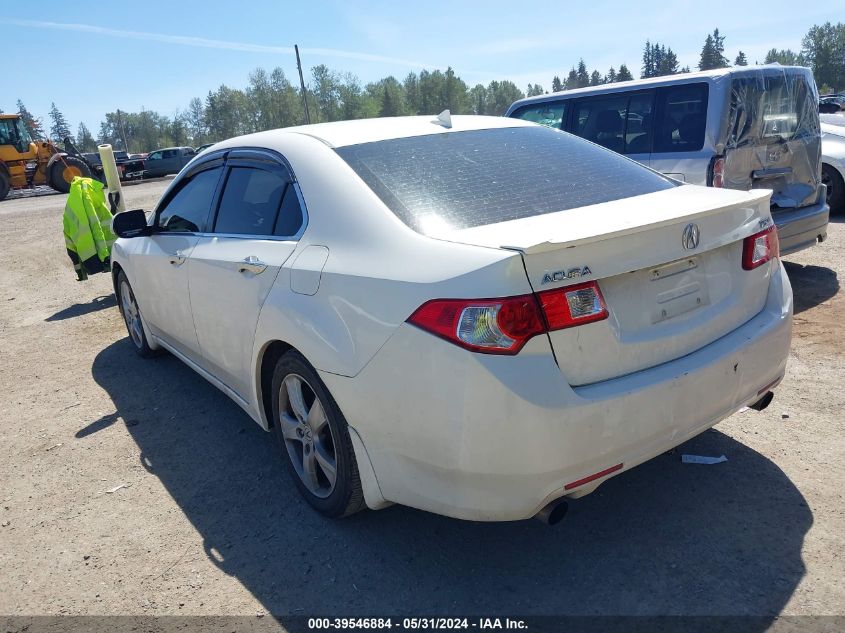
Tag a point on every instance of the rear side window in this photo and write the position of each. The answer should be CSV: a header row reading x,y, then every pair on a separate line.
x,y
682,118
464,179
187,209
250,202
621,122
548,114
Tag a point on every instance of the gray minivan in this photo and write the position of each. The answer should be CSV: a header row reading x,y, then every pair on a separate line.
x,y
739,128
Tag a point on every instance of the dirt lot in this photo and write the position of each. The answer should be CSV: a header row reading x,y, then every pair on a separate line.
x,y
208,523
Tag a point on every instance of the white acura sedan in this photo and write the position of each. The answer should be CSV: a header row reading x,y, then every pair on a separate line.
x,y
475,316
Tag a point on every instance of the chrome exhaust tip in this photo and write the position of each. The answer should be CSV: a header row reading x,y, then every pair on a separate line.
x,y
763,402
553,513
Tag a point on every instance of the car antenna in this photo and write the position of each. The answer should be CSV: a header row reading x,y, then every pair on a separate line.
x,y
444,119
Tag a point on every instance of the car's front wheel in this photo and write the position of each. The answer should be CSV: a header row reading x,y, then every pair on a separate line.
x,y
314,439
132,317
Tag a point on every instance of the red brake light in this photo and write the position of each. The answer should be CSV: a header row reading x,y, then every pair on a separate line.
x,y
492,326
573,305
759,248
503,326
717,172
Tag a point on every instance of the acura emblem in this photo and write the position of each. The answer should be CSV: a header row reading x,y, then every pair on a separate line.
x,y
690,236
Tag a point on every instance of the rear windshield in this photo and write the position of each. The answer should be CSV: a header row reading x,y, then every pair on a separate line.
x,y
459,180
771,107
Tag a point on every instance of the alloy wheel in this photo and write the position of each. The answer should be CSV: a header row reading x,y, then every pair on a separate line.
x,y
308,436
131,314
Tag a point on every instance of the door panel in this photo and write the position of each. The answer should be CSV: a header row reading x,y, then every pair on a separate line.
x,y
161,287
230,278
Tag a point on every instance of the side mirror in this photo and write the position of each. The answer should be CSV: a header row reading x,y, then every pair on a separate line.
x,y
130,224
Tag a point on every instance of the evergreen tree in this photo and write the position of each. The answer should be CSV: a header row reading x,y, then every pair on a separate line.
x,y
713,52
534,90
823,49
610,77
478,99
595,78
741,59
571,80
59,128
624,74
583,77
784,57
557,86
33,125
84,140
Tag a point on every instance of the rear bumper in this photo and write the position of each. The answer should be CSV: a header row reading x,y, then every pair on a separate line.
x,y
496,438
801,228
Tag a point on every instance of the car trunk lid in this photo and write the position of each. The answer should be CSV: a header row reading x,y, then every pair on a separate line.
x,y
664,300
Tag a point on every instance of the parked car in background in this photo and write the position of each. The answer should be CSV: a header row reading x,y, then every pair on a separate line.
x,y
128,166
475,316
833,161
735,128
204,147
166,161
830,105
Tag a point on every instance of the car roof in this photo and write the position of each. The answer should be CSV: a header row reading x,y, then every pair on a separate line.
x,y
656,81
343,133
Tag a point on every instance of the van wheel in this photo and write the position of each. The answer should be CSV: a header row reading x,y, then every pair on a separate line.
x,y
835,188
314,439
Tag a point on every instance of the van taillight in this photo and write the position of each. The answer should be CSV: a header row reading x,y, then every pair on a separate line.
x,y
503,326
759,248
717,172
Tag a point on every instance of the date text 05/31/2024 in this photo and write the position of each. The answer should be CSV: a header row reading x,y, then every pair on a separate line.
x,y
416,623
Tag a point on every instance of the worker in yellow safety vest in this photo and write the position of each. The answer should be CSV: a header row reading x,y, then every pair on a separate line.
x,y
87,227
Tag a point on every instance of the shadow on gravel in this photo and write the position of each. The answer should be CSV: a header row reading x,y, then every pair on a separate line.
x,y
665,538
811,285
78,309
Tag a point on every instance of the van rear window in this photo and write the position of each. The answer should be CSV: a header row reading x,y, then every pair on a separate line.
x,y
457,180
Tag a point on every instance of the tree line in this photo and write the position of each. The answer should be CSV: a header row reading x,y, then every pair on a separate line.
x,y
270,100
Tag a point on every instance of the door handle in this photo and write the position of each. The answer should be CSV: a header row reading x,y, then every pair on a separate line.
x,y
252,265
178,258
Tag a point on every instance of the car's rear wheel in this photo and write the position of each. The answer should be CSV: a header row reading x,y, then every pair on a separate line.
x,y
132,317
835,188
314,439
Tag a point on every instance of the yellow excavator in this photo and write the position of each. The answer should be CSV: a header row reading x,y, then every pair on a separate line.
x,y
28,163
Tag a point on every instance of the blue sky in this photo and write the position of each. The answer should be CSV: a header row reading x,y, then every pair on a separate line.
x,y
95,57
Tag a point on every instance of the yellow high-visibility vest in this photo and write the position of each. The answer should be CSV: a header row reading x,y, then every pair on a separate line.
x,y
87,227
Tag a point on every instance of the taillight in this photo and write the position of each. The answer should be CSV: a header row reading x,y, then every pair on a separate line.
x,y
759,248
573,305
503,326
717,172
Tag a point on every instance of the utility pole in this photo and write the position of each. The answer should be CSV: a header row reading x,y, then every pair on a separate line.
x,y
302,85
122,132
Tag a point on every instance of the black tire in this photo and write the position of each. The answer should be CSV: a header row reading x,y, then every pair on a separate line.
x,y
344,496
5,184
64,169
135,329
835,188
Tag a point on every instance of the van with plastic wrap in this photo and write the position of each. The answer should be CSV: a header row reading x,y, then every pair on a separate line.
x,y
736,128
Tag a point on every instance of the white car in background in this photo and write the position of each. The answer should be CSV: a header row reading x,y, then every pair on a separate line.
x,y
475,316
833,160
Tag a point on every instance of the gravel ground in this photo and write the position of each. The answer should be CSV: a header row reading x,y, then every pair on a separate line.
x,y
134,487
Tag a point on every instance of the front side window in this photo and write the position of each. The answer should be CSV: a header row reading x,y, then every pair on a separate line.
x,y
683,118
186,210
440,182
250,202
548,114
